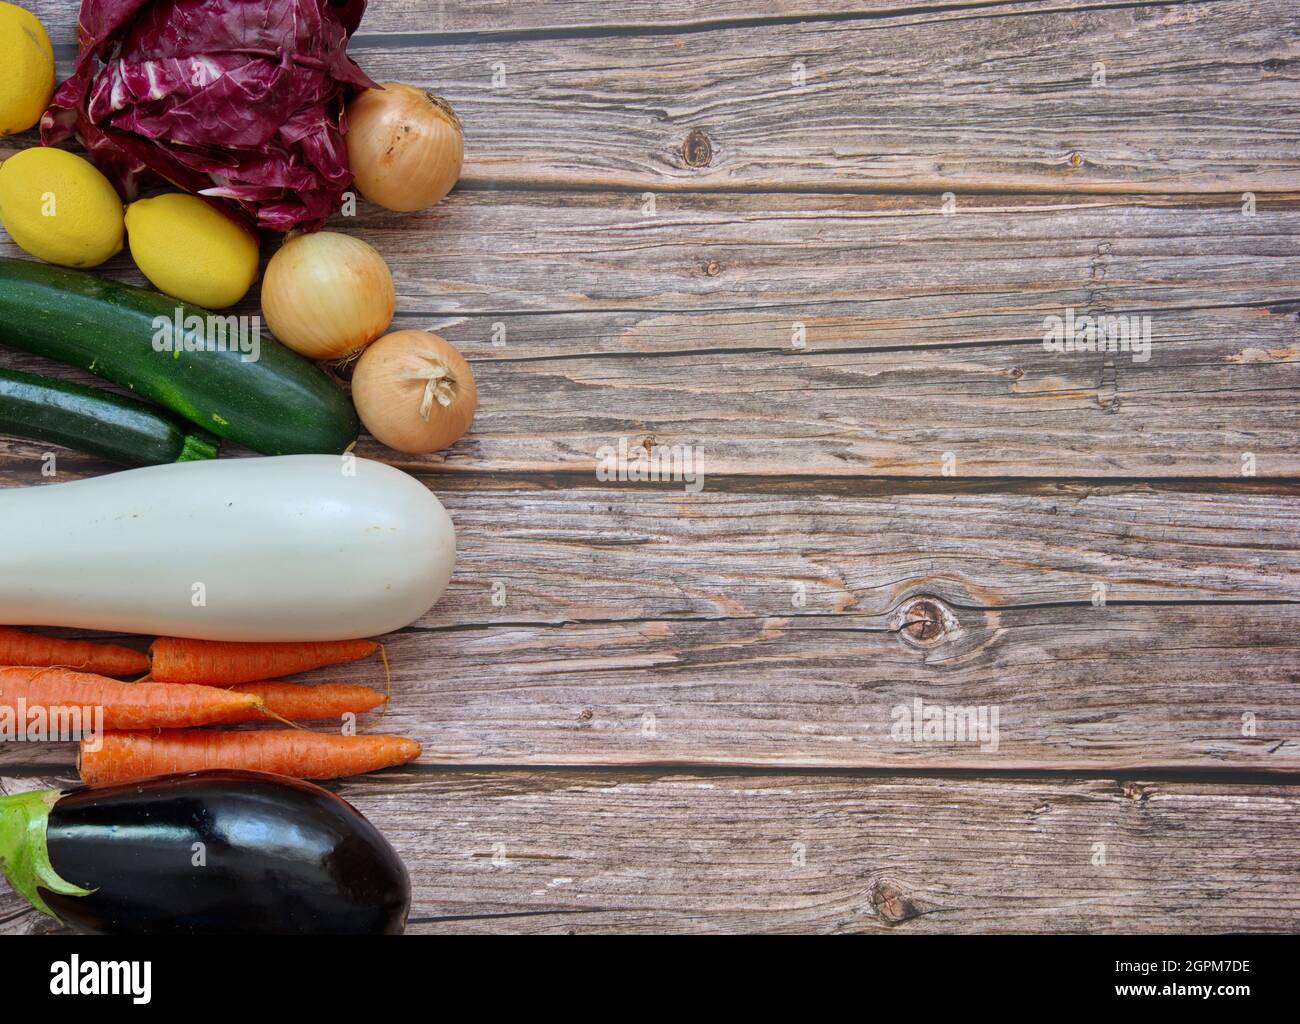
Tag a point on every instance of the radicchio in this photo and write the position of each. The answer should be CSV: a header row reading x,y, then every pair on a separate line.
x,y
239,100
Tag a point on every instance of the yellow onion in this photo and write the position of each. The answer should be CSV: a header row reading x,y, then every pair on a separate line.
x,y
405,146
414,391
327,295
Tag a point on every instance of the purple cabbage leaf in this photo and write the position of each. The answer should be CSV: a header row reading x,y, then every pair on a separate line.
x,y
241,101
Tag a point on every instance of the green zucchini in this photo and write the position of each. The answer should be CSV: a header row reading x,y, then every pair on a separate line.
x,y
113,427
277,404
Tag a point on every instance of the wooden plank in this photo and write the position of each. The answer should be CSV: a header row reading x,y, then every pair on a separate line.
x,y
891,271
1014,108
1209,405
767,629
521,252
606,554
1058,686
571,851
487,20
504,18
921,334
1122,687
956,100
966,97
1218,387
580,553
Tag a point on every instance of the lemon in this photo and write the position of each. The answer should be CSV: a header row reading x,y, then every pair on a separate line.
x,y
59,208
27,71
189,250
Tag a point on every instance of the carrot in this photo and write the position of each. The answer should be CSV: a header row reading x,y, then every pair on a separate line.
x,y
126,705
127,756
221,663
18,647
296,702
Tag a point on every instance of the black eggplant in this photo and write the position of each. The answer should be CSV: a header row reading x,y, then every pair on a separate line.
x,y
217,852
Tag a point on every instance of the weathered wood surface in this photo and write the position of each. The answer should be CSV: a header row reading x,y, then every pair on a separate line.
x,y
580,553
920,334
771,620
1061,687
558,852
1197,96
860,271
646,626
506,19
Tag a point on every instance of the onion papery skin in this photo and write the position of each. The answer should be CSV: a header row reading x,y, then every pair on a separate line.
x,y
327,295
405,146
414,392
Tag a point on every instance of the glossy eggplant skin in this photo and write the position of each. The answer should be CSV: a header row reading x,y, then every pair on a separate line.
x,y
283,857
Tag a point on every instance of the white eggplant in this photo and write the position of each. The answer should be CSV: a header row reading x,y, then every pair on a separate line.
x,y
300,547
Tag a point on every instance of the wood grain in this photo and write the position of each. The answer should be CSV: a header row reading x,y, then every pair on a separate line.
x,y
609,554
895,269
944,100
921,333
480,21
572,851
767,628
524,252
1055,687
589,554
664,238
1198,97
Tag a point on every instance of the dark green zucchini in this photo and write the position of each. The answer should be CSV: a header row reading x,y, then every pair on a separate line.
x,y
279,404
99,422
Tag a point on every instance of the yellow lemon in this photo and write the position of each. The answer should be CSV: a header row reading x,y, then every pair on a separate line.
x,y
59,208
26,72
189,250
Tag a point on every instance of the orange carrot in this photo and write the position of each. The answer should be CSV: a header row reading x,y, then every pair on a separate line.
x,y
297,702
126,756
221,663
18,647
126,705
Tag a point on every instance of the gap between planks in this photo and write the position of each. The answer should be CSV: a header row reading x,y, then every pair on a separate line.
x,y
20,463
423,771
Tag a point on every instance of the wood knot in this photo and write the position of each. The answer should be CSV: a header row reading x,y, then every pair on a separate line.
x,y
924,621
697,150
892,903
1134,791
713,268
585,715
1076,159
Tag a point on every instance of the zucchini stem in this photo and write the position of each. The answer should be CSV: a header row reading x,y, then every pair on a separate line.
x,y
198,446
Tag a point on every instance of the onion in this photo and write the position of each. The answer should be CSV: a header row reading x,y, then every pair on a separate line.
x,y
327,295
405,146
414,392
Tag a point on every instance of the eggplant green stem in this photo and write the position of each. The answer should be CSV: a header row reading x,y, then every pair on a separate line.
x,y
24,852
